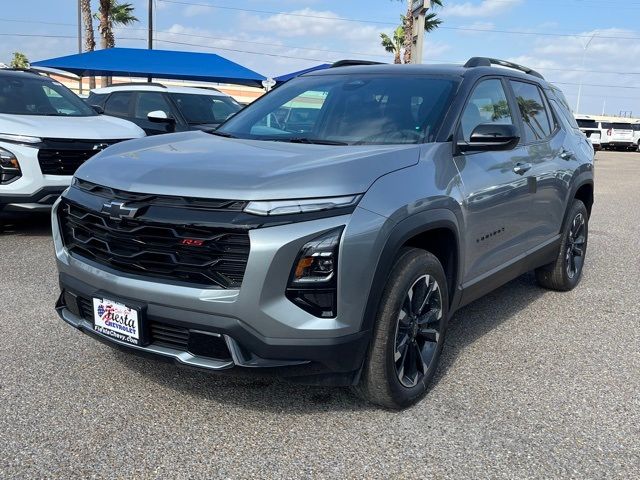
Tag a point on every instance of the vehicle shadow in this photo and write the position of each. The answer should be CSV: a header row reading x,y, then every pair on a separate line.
x,y
266,392
35,224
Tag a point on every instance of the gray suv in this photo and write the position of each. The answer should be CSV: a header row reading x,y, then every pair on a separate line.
x,y
336,249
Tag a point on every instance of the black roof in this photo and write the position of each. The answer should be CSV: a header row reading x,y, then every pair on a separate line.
x,y
451,70
15,73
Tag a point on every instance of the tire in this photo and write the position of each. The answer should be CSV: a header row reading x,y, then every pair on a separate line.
x,y
415,332
566,271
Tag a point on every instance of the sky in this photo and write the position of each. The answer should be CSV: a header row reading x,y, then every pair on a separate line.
x,y
568,41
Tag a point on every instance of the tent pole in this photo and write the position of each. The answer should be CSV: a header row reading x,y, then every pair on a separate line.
x,y
150,32
80,42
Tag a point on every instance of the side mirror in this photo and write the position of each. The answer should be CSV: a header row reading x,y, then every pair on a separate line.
x,y
98,109
158,116
491,137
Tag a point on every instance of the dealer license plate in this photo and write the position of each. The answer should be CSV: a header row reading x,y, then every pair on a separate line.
x,y
116,320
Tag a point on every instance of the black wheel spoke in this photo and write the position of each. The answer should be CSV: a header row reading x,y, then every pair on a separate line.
x,y
418,330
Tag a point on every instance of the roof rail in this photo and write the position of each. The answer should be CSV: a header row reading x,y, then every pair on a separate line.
x,y
349,63
487,62
26,70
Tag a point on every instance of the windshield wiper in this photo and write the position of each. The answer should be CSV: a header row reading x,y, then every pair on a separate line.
x,y
220,134
315,141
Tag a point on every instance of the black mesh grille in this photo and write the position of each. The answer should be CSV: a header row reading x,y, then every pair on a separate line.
x,y
199,255
64,157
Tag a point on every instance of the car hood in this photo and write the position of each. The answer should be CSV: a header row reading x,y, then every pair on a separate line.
x,y
99,127
197,164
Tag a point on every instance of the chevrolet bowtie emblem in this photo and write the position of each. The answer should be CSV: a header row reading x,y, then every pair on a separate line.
x,y
117,210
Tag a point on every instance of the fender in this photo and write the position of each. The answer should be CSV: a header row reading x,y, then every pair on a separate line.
x,y
585,177
404,230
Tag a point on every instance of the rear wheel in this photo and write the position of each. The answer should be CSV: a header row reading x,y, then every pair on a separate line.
x,y
566,271
409,333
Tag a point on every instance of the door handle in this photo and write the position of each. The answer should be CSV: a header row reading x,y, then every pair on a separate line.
x,y
566,154
522,168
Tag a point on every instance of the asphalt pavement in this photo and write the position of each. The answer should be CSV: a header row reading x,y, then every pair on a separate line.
x,y
533,384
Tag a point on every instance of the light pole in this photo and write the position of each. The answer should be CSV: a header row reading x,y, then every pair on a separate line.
x,y
584,55
418,10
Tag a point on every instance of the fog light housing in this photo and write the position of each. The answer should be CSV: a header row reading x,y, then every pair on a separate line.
x,y
9,167
313,280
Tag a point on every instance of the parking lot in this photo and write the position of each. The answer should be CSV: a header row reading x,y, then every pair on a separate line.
x,y
533,384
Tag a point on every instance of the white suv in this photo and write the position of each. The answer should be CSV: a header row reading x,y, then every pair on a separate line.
x,y
46,133
159,109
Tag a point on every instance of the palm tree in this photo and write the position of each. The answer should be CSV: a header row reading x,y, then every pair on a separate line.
x,y
431,23
19,61
89,39
105,26
119,15
394,45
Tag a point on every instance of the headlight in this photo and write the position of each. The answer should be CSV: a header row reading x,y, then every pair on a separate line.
x,y
288,207
22,139
9,167
313,281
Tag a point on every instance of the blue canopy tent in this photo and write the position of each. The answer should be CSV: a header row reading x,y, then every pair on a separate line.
x,y
135,62
289,76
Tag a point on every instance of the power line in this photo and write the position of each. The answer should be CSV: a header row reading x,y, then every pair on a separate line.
x,y
344,19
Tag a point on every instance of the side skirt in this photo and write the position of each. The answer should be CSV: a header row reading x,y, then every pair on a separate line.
x,y
529,260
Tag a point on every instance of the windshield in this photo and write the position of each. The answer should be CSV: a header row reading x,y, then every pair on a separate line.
x,y
201,109
347,109
36,96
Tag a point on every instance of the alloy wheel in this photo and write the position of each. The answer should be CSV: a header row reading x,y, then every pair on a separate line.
x,y
418,331
576,245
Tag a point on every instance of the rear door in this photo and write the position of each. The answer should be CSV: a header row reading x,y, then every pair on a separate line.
x,y
552,157
496,200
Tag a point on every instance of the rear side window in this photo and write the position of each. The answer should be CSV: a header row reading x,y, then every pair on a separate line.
x,y
118,104
488,104
536,118
587,123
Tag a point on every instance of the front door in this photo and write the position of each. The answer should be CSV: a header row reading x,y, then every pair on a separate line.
x,y
496,199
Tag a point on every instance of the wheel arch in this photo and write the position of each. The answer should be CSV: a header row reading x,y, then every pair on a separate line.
x,y
436,231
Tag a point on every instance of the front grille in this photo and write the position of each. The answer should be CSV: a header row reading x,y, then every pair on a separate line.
x,y
64,157
159,200
199,255
172,336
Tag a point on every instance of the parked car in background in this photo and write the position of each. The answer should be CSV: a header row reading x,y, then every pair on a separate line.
x,y
160,109
335,247
46,133
591,128
618,135
636,135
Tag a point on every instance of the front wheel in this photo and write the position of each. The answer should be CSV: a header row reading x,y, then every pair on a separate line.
x,y
409,334
566,271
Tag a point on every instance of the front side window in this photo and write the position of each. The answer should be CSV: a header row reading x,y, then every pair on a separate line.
x,y
40,96
488,104
150,102
363,109
537,123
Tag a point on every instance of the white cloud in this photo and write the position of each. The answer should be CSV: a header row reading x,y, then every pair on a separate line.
x,y
484,8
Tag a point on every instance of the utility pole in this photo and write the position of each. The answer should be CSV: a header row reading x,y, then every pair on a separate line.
x,y
418,10
150,32
79,42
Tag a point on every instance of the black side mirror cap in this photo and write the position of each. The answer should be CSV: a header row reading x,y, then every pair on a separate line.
x,y
98,109
491,137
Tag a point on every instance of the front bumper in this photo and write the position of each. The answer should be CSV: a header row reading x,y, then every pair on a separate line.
x,y
259,326
33,191
332,361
